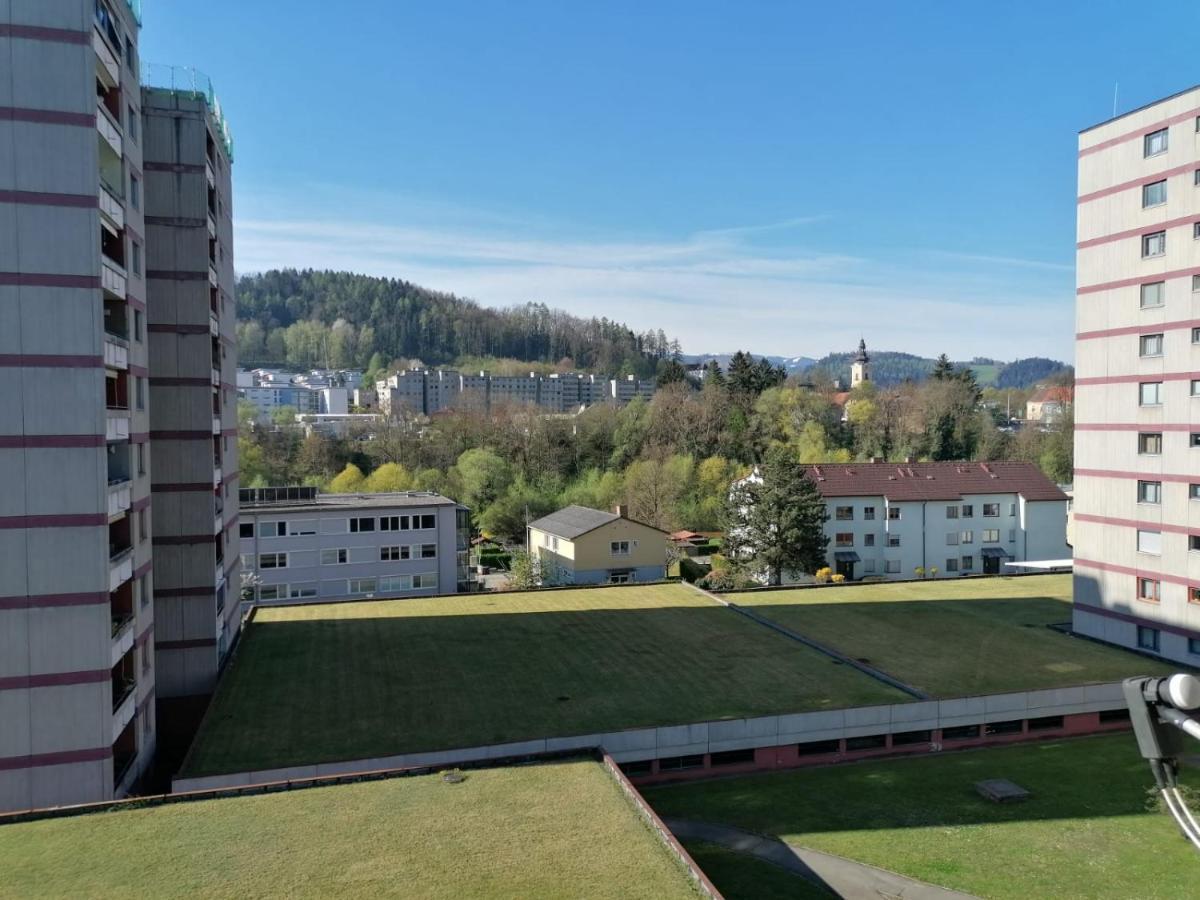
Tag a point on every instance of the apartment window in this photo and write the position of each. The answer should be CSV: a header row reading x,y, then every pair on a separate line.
x,y
869,566
145,654
1194,491
363,585
1154,194
393,523
429,551
952,564
301,526
1149,491
1012,726
141,459
1149,542
390,554
430,580
905,738
396,583
1195,236
968,510
968,563
143,529
1150,393
1194,543
951,512
144,589
866,742
1194,595
960,733
1012,509
731,757
139,390
991,510
844,539
1196,335
138,328
869,513
246,529
967,537
1194,439
894,513
1154,244
818,748
1150,345
1195,284
893,540
1194,646
272,560
1154,294
868,540
333,557
1195,390
844,513
952,539
132,127
619,548
1012,535
1045,723
1147,638
1148,590
675,763
135,191
362,524
1154,143
135,257
1150,443
1196,177
991,535
272,529
130,55
891,566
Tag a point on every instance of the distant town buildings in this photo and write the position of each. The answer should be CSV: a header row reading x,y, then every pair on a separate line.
x,y
1137,358
1049,405
426,392
320,392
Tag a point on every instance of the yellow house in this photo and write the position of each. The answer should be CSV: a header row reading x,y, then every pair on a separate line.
x,y
578,545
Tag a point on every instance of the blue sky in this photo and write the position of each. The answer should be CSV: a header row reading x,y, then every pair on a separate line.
x,y
776,176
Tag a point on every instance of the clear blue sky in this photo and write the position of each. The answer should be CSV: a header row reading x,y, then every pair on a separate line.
x,y
777,176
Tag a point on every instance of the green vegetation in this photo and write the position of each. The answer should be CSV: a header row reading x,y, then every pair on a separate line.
x,y
955,638
741,877
1085,832
536,831
356,680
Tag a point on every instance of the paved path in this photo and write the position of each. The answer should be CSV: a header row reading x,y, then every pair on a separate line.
x,y
840,876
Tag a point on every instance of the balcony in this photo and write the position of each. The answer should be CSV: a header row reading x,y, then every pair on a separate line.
x,y
124,690
212,177
217,475
214,324
108,67
116,352
216,377
117,425
112,207
212,275
119,498
108,128
120,567
122,637
112,278
220,573
216,425
212,227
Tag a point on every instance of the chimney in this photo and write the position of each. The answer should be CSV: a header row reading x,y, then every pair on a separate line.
x,y
621,510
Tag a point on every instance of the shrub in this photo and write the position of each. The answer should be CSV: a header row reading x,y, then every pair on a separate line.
x,y
724,580
823,574
838,578
690,570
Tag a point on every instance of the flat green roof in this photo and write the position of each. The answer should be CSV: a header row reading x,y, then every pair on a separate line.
x,y
955,637
546,830
345,681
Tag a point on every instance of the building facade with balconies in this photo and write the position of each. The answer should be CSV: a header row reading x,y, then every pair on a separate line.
x,y
77,674
1137,387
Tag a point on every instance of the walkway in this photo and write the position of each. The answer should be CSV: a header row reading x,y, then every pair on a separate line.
x,y
840,876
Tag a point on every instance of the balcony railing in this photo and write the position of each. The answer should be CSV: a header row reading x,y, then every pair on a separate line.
x,y
212,226
119,497
112,206
116,352
214,324
117,425
196,83
112,278
208,171
216,377
123,689
213,279
108,128
108,68
120,623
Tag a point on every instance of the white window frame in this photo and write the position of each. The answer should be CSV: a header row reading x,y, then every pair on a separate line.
x,y
367,585
278,560
1148,200
891,566
620,548
1149,542
1157,393
1149,492
1154,244
341,558
1158,294
1144,440
1155,143
1150,345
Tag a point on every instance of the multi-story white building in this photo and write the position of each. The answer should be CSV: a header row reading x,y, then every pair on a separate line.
x,y
428,392
1137,389
299,544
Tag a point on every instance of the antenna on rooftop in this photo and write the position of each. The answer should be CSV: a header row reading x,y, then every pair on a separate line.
x,y
1116,89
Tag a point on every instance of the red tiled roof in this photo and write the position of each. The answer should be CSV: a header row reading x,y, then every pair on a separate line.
x,y
840,398
933,481
685,535
1060,394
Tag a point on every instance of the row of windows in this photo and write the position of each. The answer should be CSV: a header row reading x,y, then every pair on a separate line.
x,y
340,556
1150,590
1149,639
357,525
1153,295
388,583
1150,443
987,536
1149,541
967,511
1151,393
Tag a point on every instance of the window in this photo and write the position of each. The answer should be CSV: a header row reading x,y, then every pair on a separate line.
x,y
396,583
1045,723
139,390
967,537
866,742
675,763
1195,236
1149,491
427,580
272,591
302,590
1154,294
1155,143
1147,638
951,512
427,521
1150,345
1196,335
1148,589
1012,535
868,540
1194,439
894,513
991,510
968,563
1196,176
991,536
619,548
961,733
143,529
636,769
1150,443
1194,646
146,653
1012,509
130,55
893,540
619,577
272,560
968,510
144,589
891,566
247,561
393,523
1194,543
429,551
869,513
731,757
141,455
1154,244
1154,194
363,585
362,524
136,256
869,564
393,554
844,539
333,557
1012,726
1150,393
906,738
844,514
272,529
1194,491
1194,594
302,527
135,191
1149,542
1195,388
132,124
952,539
137,326
952,565
246,529
818,748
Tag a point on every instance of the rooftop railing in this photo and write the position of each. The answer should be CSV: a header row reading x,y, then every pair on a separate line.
x,y
191,82
135,7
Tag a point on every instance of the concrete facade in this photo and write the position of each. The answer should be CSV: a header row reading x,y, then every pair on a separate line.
x,y
1137,432
77,675
354,547
193,361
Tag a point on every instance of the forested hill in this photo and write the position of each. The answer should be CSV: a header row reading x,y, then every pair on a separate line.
x,y
891,368
307,318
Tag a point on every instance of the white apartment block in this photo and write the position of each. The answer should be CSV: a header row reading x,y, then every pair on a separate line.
x,y
888,519
299,544
426,392
1137,398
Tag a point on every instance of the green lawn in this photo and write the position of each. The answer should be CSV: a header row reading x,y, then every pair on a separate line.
x,y
553,830
741,877
357,680
1085,832
955,638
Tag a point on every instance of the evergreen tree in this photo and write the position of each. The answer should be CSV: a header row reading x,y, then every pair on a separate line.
x,y
671,371
713,373
943,368
740,376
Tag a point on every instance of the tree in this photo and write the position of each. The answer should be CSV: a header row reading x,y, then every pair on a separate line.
x,y
713,373
777,520
671,371
284,416
942,368
484,476
349,481
654,488
522,573
247,414
388,478
317,456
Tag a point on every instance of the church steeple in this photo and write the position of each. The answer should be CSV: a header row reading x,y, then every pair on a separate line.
x,y
859,370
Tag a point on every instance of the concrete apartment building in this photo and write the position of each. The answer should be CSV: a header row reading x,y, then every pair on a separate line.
x,y
299,544
77,672
193,396
1137,395
580,545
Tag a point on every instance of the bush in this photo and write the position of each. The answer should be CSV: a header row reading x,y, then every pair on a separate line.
x,y
823,575
724,580
719,563
690,570
838,578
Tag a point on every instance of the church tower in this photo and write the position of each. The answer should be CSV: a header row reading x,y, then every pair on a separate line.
x,y
859,370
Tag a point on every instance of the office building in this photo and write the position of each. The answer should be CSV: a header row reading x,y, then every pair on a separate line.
x,y
77,673
1137,389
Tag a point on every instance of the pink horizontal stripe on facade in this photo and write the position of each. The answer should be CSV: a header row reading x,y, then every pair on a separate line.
x,y
139,437
1135,426
176,275
179,381
181,593
191,168
1139,476
232,476
1164,527
1127,379
1128,570
179,540
1161,327
49,361
139,370
1136,232
1137,182
67,520
51,601
47,116
135,302
1141,279
140,503
1139,133
50,441
143,569
41,198
61,758
147,633
42,33
1136,620
193,644
54,679
192,435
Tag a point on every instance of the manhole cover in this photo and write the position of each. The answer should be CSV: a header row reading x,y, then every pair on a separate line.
x,y
1001,790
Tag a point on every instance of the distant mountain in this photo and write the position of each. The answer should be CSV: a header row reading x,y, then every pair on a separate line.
x,y
891,367
790,364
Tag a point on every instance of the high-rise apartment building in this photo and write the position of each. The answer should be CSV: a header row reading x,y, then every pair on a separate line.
x,y
193,396
1137,398
77,674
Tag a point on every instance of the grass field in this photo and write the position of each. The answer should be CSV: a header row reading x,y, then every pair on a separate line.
x,y
955,638
1085,832
553,830
357,680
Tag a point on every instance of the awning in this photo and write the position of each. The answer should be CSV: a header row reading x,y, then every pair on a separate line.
x,y
845,556
994,552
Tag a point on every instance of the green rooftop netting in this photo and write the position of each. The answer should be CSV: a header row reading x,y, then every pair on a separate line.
x,y
186,80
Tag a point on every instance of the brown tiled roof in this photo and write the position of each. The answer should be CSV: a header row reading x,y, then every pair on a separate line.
x,y
933,481
1054,394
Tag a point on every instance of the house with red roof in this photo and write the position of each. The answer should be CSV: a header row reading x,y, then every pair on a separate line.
x,y
1049,404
